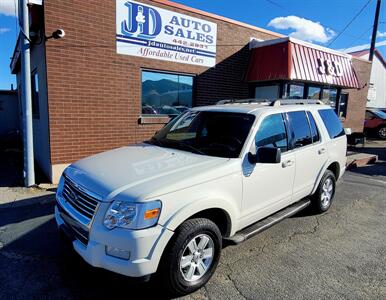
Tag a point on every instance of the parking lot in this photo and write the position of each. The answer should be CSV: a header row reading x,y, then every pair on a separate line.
x,y
340,254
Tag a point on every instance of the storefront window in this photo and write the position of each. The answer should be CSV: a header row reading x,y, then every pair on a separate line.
x,y
267,92
294,91
165,93
313,92
329,97
343,105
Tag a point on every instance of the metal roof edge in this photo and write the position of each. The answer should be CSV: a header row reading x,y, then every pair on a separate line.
x,y
302,43
15,55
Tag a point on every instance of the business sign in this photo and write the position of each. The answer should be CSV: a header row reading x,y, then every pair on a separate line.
x,y
152,32
330,67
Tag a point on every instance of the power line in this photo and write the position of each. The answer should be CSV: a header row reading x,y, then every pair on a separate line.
x,y
367,30
325,25
274,3
349,23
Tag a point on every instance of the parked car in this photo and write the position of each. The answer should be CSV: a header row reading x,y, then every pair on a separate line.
x,y
375,122
213,175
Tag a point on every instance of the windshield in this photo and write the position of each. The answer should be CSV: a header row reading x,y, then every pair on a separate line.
x,y
220,134
379,113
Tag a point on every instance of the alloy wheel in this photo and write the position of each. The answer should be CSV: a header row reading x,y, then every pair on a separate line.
x,y
327,192
197,257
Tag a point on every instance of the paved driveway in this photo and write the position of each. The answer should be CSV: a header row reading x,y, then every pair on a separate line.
x,y
340,254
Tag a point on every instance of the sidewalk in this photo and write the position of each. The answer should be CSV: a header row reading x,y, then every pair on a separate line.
x,y
21,196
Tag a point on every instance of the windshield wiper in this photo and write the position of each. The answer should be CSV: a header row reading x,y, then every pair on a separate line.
x,y
186,146
154,141
157,142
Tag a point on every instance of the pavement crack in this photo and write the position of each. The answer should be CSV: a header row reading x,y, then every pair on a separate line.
x,y
207,292
233,282
307,232
235,286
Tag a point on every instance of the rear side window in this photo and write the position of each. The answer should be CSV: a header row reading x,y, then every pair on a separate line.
x,y
314,129
332,123
301,133
272,133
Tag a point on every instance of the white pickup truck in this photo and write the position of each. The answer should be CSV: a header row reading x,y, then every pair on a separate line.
x,y
213,175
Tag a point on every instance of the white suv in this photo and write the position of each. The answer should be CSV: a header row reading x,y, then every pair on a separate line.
x,y
214,174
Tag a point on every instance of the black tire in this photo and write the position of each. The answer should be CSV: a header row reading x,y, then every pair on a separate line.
x,y
318,199
381,132
170,273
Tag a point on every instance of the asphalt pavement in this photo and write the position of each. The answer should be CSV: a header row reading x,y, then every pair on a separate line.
x,y
337,255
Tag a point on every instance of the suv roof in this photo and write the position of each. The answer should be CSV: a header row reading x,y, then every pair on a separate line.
x,y
256,106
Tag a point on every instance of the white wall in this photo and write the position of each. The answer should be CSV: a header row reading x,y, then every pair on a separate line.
x,y
378,79
40,126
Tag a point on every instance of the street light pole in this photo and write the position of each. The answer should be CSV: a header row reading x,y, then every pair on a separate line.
x,y
375,30
29,170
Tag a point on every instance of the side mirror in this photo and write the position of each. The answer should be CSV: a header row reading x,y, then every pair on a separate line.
x,y
265,155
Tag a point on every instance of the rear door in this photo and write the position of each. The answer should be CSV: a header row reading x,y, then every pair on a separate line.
x,y
337,142
311,152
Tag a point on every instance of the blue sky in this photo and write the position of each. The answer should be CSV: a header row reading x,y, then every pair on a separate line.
x,y
318,21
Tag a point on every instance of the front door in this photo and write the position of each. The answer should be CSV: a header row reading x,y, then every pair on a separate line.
x,y
268,187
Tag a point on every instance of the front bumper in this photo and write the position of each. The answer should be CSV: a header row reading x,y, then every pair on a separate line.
x,y
146,247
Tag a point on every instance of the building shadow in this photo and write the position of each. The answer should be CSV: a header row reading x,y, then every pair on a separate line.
x,y
37,262
212,85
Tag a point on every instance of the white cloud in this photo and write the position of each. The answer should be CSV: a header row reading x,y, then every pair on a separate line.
x,y
362,47
304,29
7,7
4,30
381,34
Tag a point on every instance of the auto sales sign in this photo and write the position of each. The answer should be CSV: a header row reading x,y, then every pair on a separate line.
x,y
151,32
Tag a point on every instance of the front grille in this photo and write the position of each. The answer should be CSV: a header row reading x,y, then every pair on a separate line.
x,y
81,201
74,228
80,235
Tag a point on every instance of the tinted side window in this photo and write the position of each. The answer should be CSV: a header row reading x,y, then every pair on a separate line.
x,y
314,128
332,123
272,133
301,132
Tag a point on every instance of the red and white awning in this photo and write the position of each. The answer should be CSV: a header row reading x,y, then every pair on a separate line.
x,y
290,59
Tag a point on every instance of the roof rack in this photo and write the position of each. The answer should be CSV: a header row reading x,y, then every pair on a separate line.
x,y
280,102
277,102
244,101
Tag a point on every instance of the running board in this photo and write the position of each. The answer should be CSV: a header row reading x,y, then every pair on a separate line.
x,y
266,223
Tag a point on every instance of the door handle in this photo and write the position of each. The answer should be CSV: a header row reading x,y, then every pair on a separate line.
x,y
322,150
287,163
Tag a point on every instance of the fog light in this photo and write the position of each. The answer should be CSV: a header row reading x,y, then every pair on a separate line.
x,y
116,252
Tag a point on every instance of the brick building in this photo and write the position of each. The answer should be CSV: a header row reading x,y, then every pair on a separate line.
x,y
125,67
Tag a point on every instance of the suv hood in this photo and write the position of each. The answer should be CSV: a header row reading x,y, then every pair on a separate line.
x,y
142,171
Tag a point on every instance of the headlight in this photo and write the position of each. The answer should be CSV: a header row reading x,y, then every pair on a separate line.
x,y
132,215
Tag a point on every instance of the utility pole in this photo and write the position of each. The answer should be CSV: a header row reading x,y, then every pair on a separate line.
x,y
29,170
375,30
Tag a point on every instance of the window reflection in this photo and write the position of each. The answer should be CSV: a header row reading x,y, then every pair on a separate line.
x,y
313,92
267,92
166,94
294,91
329,97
